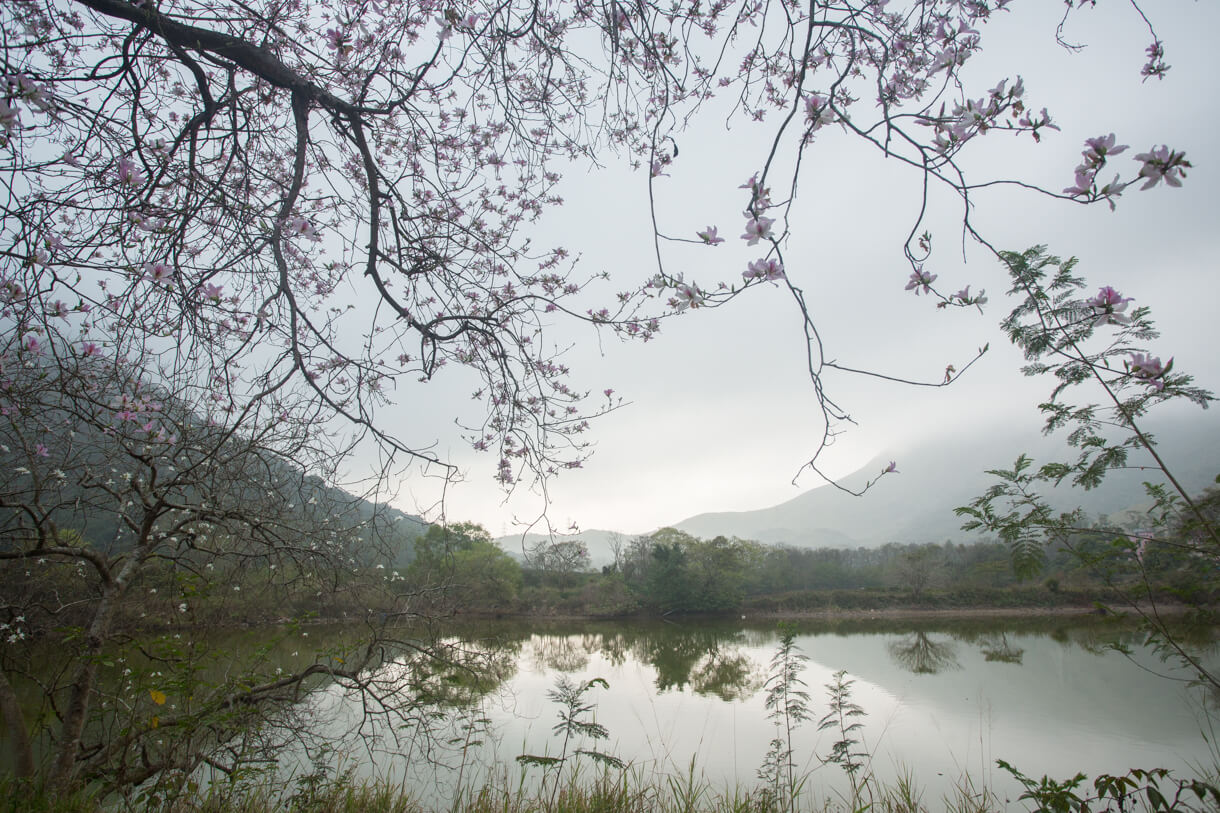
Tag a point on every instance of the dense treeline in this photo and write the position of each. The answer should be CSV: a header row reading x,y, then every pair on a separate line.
x,y
460,569
670,571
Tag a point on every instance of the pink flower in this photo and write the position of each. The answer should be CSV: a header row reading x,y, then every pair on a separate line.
x,y
10,116
1162,163
88,349
687,296
608,392
920,282
708,236
818,112
892,468
302,227
1084,182
1112,190
760,197
965,298
1155,66
757,229
22,86
770,270
128,173
1108,306
158,271
10,291
1141,546
41,450
1101,148
30,343
1149,369
211,292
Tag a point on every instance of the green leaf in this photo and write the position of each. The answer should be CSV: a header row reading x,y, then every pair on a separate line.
x,y
604,759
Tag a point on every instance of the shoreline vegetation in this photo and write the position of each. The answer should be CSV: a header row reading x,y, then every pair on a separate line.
x,y
810,605
627,791
459,572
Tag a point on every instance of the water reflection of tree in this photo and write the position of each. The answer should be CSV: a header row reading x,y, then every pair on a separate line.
x,y
466,674
728,674
998,648
674,656
563,653
705,656
923,656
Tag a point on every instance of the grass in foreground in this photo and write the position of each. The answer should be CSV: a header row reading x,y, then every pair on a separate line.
x,y
626,792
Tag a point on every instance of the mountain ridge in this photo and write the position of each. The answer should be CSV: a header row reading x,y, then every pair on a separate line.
x,y
916,504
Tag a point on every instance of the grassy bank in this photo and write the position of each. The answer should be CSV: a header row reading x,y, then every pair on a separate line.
x,y
617,791
633,792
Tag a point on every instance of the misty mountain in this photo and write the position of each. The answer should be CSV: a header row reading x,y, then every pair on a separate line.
x,y
917,505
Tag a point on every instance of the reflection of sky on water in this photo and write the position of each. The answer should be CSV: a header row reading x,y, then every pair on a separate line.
x,y
1058,709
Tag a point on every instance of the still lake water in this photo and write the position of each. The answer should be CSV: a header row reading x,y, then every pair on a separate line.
x,y
943,699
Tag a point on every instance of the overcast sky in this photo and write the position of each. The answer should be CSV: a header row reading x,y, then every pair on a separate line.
x,y
718,411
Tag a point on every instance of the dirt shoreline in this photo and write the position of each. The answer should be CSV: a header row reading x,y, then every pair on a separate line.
x,y
948,612
888,613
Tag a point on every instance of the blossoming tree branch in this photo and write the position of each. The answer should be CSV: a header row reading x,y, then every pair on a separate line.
x,y
235,177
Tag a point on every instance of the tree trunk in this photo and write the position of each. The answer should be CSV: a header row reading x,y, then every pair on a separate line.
x,y
64,770
19,735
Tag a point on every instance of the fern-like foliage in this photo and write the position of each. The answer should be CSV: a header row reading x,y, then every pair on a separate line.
x,y
787,703
844,716
575,724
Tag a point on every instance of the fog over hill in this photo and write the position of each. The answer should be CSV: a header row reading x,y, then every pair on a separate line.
x,y
917,504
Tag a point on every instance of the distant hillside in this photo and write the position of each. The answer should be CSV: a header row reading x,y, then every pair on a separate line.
x,y
80,509
917,505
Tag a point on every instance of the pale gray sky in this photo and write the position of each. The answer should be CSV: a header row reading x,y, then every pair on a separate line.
x,y
721,415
